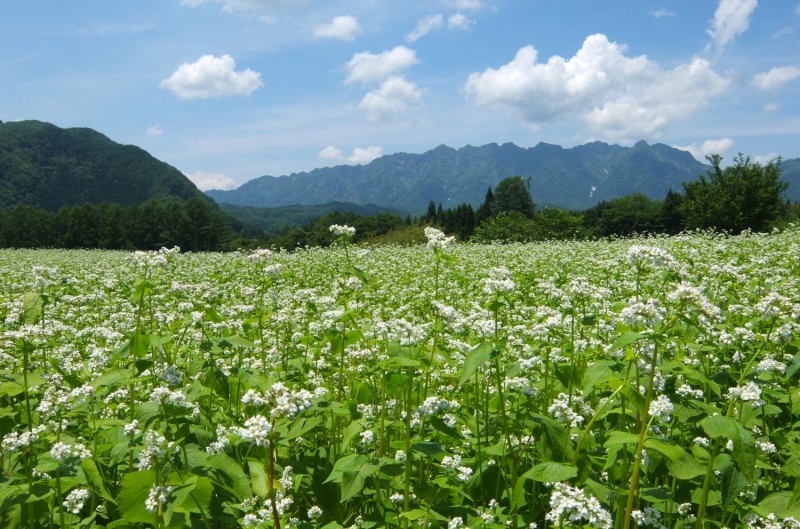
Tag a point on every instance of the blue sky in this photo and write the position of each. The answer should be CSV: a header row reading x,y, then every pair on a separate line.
x,y
230,90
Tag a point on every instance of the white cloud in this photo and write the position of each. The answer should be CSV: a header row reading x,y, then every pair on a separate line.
x,y
211,76
797,9
154,131
771,107
343,27
663,12
390,99
764,159
708,147
424,26
359,156
463,4
368,67
731,19
620,98
776,77
205,181
459,21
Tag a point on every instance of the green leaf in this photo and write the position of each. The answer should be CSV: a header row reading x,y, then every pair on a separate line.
x,y
258,478
474,360
779,503
356,272
428,448
32,308
616,437
229,475
719,426
302,426
95,480
352,430
733,482
135,490
191,495
744,451
627,338
686,467
348,463
669,449
551,471
657,494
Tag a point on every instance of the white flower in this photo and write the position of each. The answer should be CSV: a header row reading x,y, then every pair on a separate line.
x,y
750,392
437,239
255,429
571,504
158,496
314,512
661,408
75,500
343,230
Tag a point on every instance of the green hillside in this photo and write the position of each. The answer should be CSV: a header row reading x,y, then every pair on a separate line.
x,y
48,167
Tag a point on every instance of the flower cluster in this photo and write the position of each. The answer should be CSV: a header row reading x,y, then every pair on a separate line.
x,y
571,504
342,230
437,239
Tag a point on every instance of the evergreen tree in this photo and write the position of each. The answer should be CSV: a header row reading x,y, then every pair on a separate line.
x,y
511,194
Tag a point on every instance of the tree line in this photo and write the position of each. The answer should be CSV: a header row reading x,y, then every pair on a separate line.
x,y
193,225
745,195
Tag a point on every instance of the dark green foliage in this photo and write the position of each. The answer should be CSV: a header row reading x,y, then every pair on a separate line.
x,y
48,167
194,225
624,216
278,221
744,195
507,226
558,224
512,194
671,221
317,233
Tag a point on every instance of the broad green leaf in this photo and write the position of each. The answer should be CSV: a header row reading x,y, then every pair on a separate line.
x,y
258,478
616,437
474,360
133,493
667,448
352,430
657,494
95,480
428,448
550,471
780,504
627,338
191,495
32,308
686,467
229,475
719,426
733,482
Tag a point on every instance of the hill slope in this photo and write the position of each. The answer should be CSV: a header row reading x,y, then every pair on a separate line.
x,y
558,176
48,167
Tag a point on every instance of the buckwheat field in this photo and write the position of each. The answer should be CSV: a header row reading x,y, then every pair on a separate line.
x,y
646,382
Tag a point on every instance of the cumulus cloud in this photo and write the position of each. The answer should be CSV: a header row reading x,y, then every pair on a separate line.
x,y
390,99
154,131
708,147
211,76
368,67
619,97
459,21
359,156
424,26
776,77
205,181
764,159
731,19
343,27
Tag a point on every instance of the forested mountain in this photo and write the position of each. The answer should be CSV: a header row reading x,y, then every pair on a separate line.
x,y
574,178
48,167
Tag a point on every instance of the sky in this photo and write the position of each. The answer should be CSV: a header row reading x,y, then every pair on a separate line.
x,y
231,90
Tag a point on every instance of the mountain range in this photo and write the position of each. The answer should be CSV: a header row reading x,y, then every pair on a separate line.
x,y
49,167
574,178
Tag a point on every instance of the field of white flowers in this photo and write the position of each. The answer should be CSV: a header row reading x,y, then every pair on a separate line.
x,y
647,382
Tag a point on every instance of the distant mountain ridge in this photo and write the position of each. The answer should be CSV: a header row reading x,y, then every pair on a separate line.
x,y
574,178
49,167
